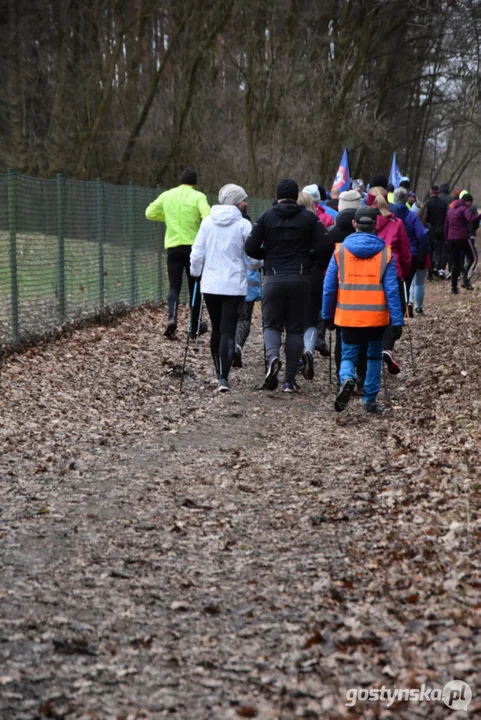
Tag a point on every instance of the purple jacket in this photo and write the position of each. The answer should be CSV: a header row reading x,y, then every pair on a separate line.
x,y
457,222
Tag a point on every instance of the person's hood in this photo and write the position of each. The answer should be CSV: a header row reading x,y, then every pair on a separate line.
x,y
345,218
364,245
225,214
383,220
287,208
458,204
402,211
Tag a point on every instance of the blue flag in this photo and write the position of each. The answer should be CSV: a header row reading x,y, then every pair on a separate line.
x,y
395,175
343,177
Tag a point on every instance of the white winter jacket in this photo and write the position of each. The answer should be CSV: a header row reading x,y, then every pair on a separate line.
x,y
218,252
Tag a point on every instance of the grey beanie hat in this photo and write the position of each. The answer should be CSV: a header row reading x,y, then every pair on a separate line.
x,y
349,199
231,194
400,196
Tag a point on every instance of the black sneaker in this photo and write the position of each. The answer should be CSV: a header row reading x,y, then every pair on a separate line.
x,y
344,395
467,285
410,310
271,381
419,311
223,385
454,291
237,357
373,407
322,347
171,328
308,367
203,328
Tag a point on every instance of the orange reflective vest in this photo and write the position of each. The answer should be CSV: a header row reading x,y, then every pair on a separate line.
x,y
361,300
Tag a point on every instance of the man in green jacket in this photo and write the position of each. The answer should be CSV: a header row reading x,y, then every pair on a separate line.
x,y
182,209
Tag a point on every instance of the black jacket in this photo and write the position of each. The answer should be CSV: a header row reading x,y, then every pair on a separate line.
x,y
289,238
436,211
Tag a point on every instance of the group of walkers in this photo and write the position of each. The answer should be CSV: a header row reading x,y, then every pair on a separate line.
x,y
354,263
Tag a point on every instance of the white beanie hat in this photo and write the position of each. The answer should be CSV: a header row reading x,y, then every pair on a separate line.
x,y
349,199
231,194
313,191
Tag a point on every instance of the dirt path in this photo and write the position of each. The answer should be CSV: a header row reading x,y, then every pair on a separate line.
x,y
250,555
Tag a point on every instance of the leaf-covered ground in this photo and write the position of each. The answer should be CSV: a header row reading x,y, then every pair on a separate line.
x,y
248,555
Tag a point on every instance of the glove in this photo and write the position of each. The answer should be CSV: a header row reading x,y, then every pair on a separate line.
x,y
329,324
195,278
397,331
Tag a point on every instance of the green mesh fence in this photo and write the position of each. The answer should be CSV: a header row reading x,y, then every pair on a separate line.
x,y
71,249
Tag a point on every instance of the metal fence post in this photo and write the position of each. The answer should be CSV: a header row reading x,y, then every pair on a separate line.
x,y
61,244
12,227
101,240
158,232
131,237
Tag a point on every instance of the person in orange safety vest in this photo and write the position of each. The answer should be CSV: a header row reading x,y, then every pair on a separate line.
x,y
361,296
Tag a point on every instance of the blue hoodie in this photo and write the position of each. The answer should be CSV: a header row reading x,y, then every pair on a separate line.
x,y
363,245
417,233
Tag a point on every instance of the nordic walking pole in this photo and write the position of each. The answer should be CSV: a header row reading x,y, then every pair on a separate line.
x,y
384,382
409,328
330,357
194,294
197,336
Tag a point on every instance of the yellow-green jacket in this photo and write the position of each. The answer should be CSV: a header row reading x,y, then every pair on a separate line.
x,y
182,209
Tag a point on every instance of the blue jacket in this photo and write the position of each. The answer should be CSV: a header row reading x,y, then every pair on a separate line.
x,y
417,233
254,285
363,245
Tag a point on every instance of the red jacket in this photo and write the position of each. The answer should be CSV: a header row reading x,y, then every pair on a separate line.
x,y
326,219
391,229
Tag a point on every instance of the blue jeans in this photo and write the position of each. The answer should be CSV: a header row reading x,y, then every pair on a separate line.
x,y
349,360
416,292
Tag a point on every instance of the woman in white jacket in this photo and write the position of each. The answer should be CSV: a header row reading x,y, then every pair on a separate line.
x,y
218,255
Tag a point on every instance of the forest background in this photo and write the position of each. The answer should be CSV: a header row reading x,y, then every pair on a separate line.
x,y
244,90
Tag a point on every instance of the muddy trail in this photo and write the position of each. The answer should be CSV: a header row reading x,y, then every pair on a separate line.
x,y
253,554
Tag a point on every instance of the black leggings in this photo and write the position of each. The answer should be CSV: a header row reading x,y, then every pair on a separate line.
x,y
223,312
178,260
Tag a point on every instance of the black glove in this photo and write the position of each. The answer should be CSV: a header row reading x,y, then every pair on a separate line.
x,y
195,278
329,324
397,331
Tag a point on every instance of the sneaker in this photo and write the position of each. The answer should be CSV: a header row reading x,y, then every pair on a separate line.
x,y
344,395
289,387
467,285
359,384
322,348
442,274
202,330
419,311
410,310
237,357
373,407
171,328
308,367
454,291
223,385
392,364
271,381
448,276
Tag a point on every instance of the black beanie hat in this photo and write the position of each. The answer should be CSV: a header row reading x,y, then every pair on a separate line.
x,y
287,190
322,192
444,188
379,181
188,177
